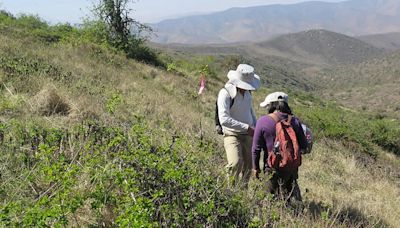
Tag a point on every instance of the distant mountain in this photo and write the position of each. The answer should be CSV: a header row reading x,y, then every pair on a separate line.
x,y
311,48
389,41
322,47
353,17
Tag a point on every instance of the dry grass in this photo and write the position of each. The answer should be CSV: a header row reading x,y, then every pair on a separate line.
x,y
333,175
48,102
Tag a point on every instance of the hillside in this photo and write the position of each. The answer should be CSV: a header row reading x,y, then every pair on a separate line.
x,y
338,67
371,85
353,17
278,68
389,41
92,138
289,60
322,47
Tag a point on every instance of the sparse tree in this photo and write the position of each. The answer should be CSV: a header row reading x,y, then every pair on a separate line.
x,y
124,32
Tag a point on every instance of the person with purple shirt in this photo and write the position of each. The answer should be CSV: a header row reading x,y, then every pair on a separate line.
x,y
264,138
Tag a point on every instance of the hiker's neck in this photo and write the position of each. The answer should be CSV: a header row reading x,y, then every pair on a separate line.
x,y
241,91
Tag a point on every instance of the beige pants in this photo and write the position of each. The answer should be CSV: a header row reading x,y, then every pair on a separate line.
x,y
238,153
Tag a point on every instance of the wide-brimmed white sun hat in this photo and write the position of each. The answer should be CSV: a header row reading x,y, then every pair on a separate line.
x,y
244,77
272,97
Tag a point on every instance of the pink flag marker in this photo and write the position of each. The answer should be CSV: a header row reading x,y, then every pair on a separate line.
x,y
202,84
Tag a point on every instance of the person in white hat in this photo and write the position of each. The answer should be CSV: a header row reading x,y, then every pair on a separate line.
x,y
238,120
277,105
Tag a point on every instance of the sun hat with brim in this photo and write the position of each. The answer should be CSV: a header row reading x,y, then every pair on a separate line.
x,y
272,97
244,77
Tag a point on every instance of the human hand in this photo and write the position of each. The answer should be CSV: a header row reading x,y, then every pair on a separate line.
x,y
219,130
250,131
255,173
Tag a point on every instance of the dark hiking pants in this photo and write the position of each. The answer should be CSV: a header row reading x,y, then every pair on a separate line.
x,y
283,185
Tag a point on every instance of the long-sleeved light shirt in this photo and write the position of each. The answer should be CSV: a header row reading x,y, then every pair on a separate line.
x,y
239,117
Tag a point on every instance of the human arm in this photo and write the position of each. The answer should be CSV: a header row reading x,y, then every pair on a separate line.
x,y
301,138
253,115
258,145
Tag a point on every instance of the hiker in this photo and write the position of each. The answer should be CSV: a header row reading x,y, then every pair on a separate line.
x,y
276,167
237,118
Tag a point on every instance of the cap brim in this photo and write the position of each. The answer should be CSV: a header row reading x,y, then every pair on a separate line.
x,y
264,104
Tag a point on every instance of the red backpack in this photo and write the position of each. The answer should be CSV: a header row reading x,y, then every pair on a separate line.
x,y
285,155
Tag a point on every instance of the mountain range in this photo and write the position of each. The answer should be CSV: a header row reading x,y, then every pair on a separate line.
x,y
353,17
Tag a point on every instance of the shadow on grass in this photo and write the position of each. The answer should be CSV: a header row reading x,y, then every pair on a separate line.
x,y
348,216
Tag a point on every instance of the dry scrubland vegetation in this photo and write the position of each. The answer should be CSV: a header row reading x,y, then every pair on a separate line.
x,y
372,85
91,138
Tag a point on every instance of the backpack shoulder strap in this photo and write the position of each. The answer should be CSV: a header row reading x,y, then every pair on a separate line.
x,y
274,117
231,99
288,121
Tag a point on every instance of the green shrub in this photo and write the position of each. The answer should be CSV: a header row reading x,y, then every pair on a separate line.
x,y
334,122
113,102
6,17
94,32
135,50
109,169
30,22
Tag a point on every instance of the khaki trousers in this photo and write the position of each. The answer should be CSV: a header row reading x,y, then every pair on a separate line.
x,y
238,154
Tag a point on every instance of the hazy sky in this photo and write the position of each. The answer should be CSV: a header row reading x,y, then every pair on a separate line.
x,y
145,11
